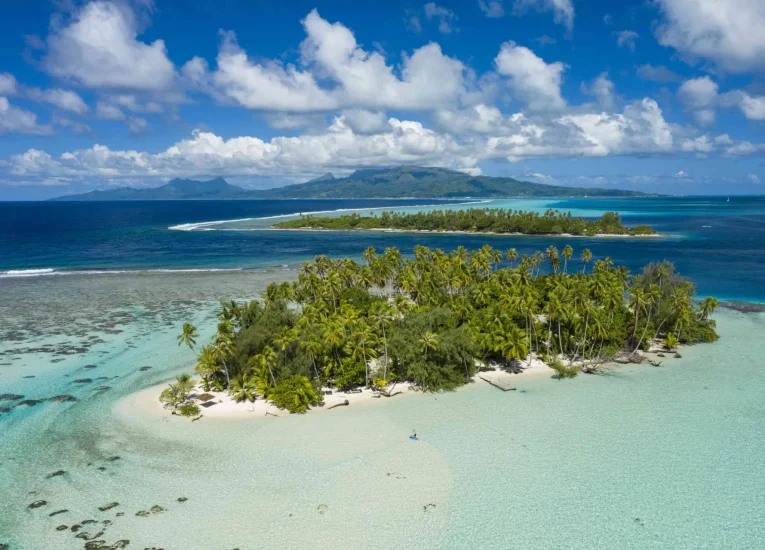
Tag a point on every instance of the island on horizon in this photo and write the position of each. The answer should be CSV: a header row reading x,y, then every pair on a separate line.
x,y
494,221
401,182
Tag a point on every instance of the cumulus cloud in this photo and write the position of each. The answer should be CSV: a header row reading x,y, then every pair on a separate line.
x,y
603,90
339,148
493,9
753,178
753,107
626,39
727,33
563,10
98,47
353,77
657,74
14,119
107,111
64,99
699,95
533,81
446,18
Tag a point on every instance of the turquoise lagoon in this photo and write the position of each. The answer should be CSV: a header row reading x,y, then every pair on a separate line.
x,y
643,457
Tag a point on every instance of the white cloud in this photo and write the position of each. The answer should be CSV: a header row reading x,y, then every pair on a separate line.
x,y
534,81
626,39
137,125
8,84
754,178
657,73
98,47
362,121
107,111
14,119
726,32
446,18
65,99
339,148
563,10
73,126
699,95
753,107
603,90
493,9
681,174
544,40
608,19
356,78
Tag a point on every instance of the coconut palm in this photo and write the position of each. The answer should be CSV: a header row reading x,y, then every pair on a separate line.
x,y
188,336
515,344
567,253
708,306
428,341
244,387
586,258
511,255
184,385
671,342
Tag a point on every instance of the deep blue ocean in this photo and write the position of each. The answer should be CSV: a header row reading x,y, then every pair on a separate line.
x,y
718,243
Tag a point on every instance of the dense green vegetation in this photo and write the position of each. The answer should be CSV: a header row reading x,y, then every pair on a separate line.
x,y
480,220
434,319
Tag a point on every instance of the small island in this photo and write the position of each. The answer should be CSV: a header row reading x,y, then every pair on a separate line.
x,y
477,220
435,322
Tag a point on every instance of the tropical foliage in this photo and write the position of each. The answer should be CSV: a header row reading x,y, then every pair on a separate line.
x,y
434,318
481,220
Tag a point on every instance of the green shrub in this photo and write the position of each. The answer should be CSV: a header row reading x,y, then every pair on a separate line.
x,y
189,409
562,371
296,394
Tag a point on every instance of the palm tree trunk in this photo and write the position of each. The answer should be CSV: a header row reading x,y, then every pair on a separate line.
x,y
560,341
643,336
385,344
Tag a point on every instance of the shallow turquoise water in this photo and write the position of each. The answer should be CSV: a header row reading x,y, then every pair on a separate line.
x,y
669,457
645,457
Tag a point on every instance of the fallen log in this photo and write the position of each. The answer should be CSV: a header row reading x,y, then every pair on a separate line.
x,y
343,404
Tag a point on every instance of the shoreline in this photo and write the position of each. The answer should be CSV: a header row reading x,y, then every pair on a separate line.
x,y
225,408
432,232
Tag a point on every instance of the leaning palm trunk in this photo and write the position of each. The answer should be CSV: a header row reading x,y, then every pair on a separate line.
x,y
648,321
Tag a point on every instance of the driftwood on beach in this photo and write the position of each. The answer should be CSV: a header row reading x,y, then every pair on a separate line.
x,y
343,404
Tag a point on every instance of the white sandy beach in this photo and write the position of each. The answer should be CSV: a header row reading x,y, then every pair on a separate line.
x,y
428,231
227,408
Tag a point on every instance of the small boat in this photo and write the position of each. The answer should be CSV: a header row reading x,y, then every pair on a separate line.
x,y
728,199
706,226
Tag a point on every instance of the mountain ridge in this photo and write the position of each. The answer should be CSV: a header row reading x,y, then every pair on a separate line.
x,y
368,183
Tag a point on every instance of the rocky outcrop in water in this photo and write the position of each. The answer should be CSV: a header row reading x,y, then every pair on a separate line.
x,y
83,381
29,403
37,504
62,398
10,397
55,474
108,506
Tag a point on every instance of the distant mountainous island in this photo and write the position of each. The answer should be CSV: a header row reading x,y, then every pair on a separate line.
x,y
379,183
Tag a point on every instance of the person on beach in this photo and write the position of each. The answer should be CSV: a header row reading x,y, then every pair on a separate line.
x,y
414,434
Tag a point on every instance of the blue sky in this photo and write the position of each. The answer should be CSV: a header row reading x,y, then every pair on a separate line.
x,y
660,95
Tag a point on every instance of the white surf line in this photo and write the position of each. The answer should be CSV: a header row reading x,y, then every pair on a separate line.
x,y
12,274
202,226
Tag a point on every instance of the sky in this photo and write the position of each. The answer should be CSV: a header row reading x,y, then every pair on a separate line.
x,y
664,96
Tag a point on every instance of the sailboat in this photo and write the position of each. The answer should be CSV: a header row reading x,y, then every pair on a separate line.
x,y
728,199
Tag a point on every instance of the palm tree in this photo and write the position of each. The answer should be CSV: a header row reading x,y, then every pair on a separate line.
x,y
224,349
586,258
671,342
284,339
262,371
511,256
312,345
708,306
552,256
567,253
244,387
269,355
515,345
184,384
207,365
188,336
429,341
